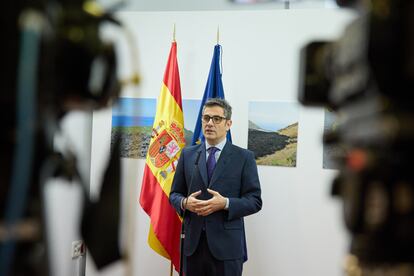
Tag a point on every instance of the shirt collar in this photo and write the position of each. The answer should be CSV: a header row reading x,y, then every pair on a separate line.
x,y
220,145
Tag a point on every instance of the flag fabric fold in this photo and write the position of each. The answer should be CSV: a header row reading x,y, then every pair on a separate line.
x,y
167,141
214,89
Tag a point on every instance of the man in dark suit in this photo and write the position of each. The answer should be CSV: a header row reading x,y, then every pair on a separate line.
x,y
217,184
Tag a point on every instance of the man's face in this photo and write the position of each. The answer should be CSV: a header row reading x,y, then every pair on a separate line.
x,y
215,132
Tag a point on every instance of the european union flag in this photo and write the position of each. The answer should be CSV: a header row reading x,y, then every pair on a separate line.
x,y
214,89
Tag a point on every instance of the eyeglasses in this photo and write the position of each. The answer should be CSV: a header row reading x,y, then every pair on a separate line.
x,y
216,119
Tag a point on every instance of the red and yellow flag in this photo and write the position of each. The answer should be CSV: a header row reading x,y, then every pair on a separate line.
x,y
167,140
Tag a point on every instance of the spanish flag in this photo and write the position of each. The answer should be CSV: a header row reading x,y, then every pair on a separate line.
x,y
167,140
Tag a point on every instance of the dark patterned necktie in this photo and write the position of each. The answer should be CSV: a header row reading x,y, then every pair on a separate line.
x,y
211,161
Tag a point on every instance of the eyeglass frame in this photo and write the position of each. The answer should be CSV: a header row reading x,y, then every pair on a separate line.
x,y
212,118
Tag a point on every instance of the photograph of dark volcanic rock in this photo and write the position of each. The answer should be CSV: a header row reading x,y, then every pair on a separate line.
x,y
273,132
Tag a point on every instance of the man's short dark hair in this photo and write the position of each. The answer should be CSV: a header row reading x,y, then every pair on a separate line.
x,y
219,102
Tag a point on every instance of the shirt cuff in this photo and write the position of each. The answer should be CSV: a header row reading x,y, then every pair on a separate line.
x,y
182,203
227,204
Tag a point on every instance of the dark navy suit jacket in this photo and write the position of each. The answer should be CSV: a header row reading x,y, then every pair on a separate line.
x,y
234,177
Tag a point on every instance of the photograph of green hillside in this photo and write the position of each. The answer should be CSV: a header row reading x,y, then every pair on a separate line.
x,y
331,152
273,132
132,121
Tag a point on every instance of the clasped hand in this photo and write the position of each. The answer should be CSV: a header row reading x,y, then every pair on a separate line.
x,y
205,207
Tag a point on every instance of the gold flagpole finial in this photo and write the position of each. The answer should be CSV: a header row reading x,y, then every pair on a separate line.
x,y
218,35
174,33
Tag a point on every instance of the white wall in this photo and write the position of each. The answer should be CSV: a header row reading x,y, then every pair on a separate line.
x,y
299,231
203,5
63,199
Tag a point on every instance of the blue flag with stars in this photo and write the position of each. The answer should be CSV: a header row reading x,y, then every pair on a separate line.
x,y
214,89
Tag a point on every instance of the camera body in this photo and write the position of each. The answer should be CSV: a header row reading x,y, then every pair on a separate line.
x,y
77,68
57,62
366,77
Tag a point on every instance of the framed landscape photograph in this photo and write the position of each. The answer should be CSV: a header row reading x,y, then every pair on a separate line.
x,y
132,121
273,132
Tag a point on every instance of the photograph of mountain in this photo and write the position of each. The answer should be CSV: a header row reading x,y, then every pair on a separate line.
x,y
132,121
273,132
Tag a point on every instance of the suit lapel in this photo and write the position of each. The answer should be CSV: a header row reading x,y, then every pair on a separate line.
x,y
225,156
202,164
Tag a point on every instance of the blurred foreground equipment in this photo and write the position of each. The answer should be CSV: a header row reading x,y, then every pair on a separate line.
x,y
54,62
367,78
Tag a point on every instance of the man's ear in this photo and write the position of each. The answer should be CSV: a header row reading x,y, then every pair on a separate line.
x,y
228,124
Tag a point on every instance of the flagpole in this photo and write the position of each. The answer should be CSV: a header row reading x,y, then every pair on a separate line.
x,y
171,263
218,35
174,33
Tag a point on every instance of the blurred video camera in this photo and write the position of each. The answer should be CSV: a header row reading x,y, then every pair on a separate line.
x,y
56,62
366,77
